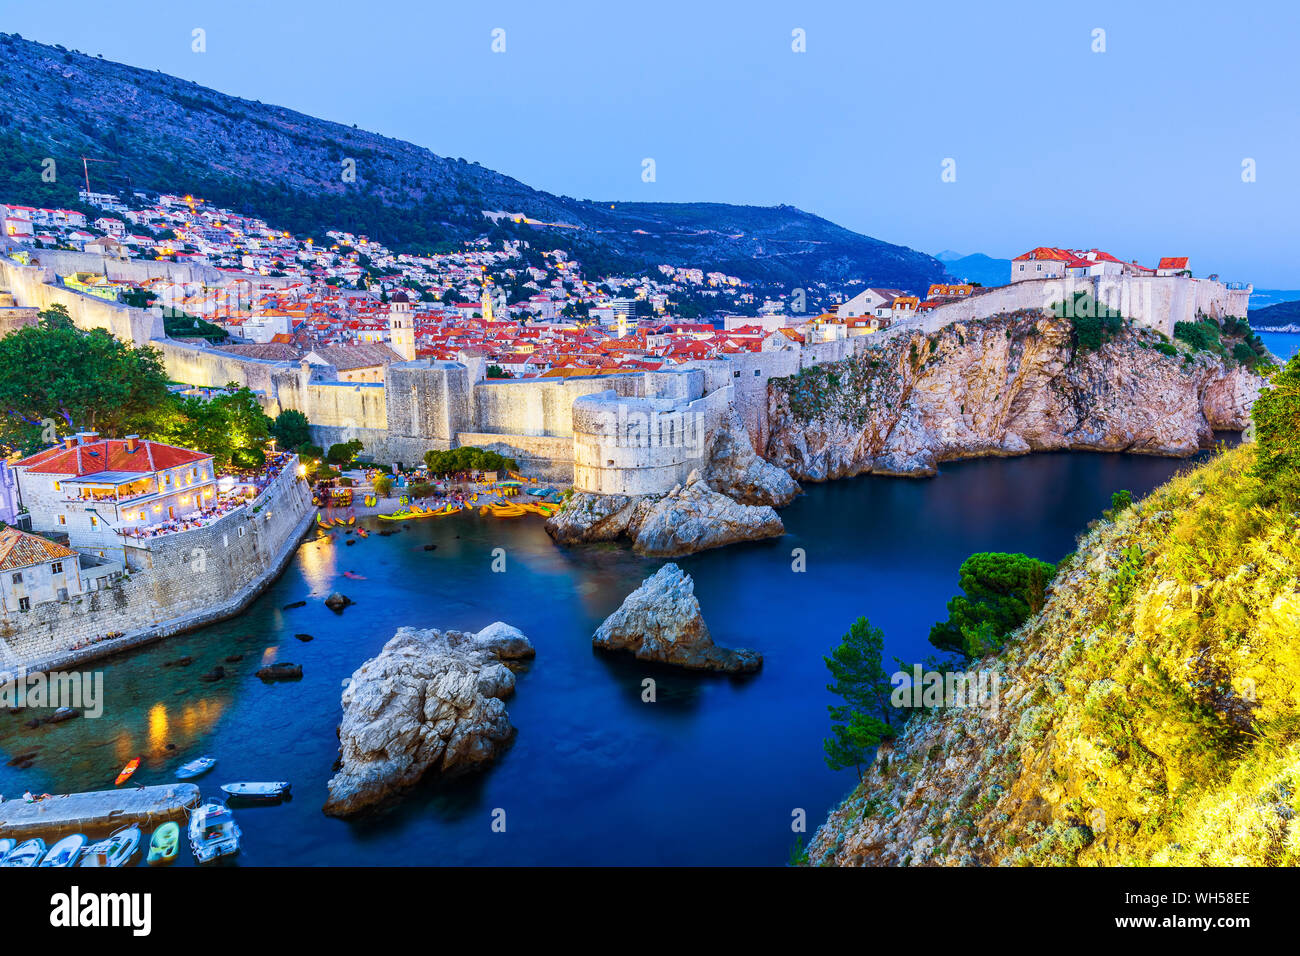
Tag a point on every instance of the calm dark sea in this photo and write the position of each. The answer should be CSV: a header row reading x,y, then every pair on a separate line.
x,y
1282,344
710,774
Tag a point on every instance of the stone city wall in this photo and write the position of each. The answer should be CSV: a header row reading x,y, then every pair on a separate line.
x,y
188,579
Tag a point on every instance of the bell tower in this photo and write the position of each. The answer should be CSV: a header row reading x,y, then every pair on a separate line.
x,y
401,326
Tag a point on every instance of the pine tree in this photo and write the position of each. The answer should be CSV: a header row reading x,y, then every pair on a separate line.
x,y
863,720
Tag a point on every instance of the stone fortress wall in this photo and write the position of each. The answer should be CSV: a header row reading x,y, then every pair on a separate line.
x,y
637,445
183,581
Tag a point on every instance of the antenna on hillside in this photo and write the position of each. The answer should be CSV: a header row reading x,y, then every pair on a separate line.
x,y
85,166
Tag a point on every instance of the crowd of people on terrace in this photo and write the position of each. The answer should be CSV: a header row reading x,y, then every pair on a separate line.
x,y
248,486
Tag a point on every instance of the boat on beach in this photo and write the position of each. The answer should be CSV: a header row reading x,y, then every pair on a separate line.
x,y
195,768
66,852
257,792
213,832
115,851
27,853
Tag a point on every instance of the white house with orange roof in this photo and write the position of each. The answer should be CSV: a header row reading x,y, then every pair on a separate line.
x,y
35,570
91,488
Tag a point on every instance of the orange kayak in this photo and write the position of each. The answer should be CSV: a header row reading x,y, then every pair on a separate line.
x,y
129,769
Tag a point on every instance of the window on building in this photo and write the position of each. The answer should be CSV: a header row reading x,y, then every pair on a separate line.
x,y
24,604
18,578
757,372
94,522
58,486
56,567
63,519
63,594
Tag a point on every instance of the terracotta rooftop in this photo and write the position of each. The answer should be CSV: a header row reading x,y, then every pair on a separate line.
x,y
18,549
109,454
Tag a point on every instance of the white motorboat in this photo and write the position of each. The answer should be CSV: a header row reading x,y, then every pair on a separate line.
x,y
66,851
213,832
27,853
117,850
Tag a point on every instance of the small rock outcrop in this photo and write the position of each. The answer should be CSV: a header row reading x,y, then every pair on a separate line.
x,y
336,602
661,621
694,517
429,701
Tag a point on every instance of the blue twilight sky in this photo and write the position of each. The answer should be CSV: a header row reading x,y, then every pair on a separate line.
x,y
1137,150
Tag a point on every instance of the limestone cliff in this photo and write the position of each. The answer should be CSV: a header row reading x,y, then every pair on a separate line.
x,y
1148,715
731,501
1005,385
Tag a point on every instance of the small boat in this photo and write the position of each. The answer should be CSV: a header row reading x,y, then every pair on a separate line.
x,y
162,848
195,768
262,792
66,851
352,519
129,769
324,522
362,533
117,850
6,845
28,853
213,832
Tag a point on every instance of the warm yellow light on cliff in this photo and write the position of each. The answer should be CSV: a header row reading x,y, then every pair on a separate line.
x,y
302,471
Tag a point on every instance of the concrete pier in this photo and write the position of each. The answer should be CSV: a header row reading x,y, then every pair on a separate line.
x,y
97,810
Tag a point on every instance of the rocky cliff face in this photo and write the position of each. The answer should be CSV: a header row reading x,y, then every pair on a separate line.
x,y
1000,386
1145,716
732,501
431,700
661,621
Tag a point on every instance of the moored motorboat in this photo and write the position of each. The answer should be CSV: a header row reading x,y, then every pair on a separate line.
x,y
213,832
195,768
117,850
27,853
66,851
162,848
259,792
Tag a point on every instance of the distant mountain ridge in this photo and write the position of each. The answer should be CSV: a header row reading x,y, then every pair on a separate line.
x,y
167,134
977,267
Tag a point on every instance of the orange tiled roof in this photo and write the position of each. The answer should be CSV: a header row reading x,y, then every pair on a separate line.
x,y
18,549
109,454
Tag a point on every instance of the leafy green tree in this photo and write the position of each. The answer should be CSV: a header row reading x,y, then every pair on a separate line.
x,y
56,377
1002,591
231,427
345,453
1276,418
858,677
467,458
291,429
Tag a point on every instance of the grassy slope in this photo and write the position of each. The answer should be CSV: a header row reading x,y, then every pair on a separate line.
x,y
1150,714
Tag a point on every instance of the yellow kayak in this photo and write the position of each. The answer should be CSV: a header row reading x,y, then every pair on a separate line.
x,y
324,523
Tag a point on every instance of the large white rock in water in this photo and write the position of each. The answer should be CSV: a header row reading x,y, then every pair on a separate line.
x,y
430,701
661,621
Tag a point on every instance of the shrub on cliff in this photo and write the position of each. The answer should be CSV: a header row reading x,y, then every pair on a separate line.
x,y
1002,591
1276,416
